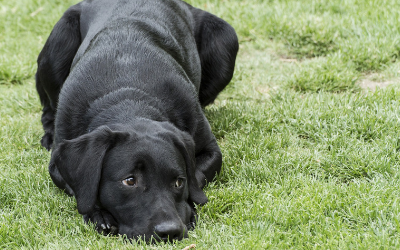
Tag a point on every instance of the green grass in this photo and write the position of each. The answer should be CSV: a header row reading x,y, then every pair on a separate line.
x,y
311,160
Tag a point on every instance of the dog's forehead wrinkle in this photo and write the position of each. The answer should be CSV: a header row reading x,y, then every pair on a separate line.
x,y
151,153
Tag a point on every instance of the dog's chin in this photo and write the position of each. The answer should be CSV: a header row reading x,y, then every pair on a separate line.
x,y
152,238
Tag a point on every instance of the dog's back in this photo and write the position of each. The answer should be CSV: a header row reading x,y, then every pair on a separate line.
x,y
138,27
129,49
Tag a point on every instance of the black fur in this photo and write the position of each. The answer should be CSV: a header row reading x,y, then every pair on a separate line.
x,y
122,84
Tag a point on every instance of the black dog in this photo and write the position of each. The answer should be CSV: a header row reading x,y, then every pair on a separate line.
x,y
122,84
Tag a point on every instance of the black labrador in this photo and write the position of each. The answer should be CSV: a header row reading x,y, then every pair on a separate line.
x,y
122,84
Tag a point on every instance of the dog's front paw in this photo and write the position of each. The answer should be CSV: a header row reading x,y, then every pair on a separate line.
x,y
47,140
193,219
103,221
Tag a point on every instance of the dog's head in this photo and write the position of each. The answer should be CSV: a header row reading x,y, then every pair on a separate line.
x,y
145,178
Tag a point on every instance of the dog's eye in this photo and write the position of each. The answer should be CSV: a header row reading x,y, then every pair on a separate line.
x,y
131,181
179,182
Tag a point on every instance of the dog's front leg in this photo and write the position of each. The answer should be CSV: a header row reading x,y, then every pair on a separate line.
x,y
208,163
103,221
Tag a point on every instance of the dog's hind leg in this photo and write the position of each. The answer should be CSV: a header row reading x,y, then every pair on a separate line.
x,y
47,117
54,63
217,44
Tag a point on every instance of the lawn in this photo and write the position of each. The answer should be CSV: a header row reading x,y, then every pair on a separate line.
x,y
311,155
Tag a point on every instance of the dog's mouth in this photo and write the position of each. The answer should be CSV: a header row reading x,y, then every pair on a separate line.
x,y
154,238
193,220
135,233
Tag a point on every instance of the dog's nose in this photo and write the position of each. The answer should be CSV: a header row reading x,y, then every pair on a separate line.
x,y
169,231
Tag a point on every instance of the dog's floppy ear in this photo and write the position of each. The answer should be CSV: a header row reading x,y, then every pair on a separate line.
x,y
187,147
80,161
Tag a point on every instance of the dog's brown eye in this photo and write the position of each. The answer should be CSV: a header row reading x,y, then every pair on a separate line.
x,y
179,182
131,181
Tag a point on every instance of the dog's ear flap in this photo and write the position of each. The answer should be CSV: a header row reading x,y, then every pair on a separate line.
x,y
187,146
80,161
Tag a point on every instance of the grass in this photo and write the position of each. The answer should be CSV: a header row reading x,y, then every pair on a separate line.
x,y
311,160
